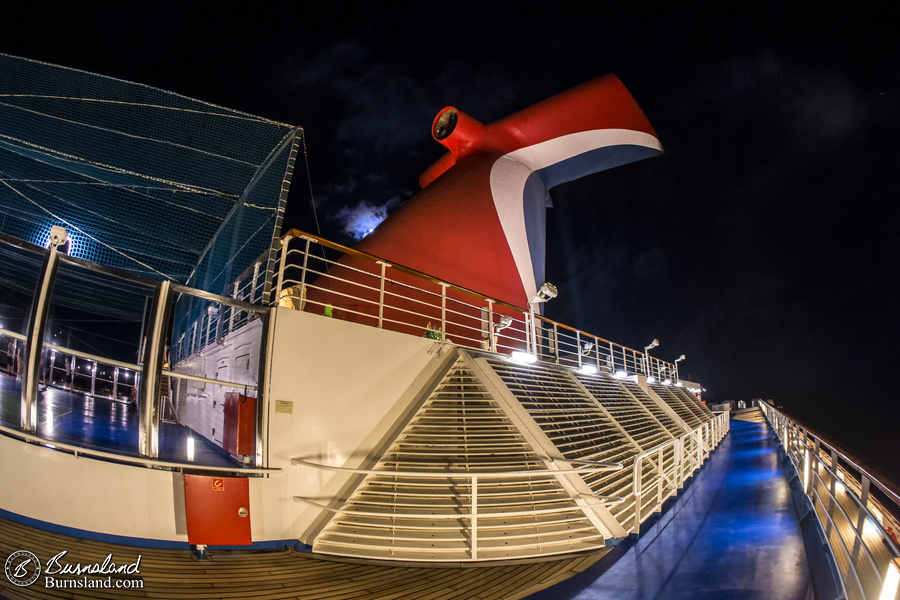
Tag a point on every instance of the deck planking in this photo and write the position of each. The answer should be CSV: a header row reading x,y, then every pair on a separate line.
x,y
282,574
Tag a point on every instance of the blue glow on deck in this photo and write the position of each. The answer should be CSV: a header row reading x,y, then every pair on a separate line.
x,y
733,534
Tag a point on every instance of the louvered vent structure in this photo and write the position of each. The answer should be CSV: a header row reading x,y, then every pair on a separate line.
x,y
460,429
653,407
648,425
646,428
577,425
691,398
687,407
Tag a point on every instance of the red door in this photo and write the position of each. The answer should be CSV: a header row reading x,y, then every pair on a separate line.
x,y
217,510
240,421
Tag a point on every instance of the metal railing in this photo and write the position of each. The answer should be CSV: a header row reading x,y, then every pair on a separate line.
x,y
673,462
472,514
152,365
323,277
79,451
857,525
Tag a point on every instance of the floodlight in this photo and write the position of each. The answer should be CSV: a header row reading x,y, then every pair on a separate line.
x,y
588,346
679,358
652,344
621,374
505,321
651,379
588,369
58,236
548,291
667,381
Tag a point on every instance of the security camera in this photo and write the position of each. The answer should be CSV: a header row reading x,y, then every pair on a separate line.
x,y
58,235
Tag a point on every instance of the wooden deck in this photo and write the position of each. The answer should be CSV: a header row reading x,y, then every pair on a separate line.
x,y
281,574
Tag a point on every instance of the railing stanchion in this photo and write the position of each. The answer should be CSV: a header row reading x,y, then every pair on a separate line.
x,y
578,346
443,311
253,283
637,494
492,342
284,252
148,423
556,341
381,295
474,517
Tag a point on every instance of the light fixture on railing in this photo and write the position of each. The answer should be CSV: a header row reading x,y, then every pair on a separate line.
x,y
586,348
677,360
647,349
505,321
547,292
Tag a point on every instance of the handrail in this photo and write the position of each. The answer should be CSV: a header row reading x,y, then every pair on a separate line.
x,y
464,474
630,358
463,515
717,427
131,366
131,460
803,447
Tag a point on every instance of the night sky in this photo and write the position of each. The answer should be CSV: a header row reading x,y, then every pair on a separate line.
x,y
763,244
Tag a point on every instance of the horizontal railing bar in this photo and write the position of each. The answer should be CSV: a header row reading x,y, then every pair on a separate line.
x,y
230,384
460,515
133,460
94,357
598,467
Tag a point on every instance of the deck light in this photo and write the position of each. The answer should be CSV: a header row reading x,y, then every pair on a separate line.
x,y
680,358
647,348
548,291
651,379
588,369
190,448
667,381
891,581
522,358
621,374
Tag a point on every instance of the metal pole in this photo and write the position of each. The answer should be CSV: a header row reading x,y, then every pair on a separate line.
x,y
474,517
148,425
443,311
35,342
284,252
578,344
262,389
381,295
493,339
253,285
533,330
556,342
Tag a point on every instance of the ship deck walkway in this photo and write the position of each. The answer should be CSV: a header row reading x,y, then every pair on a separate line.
x,y
732,534
280,575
